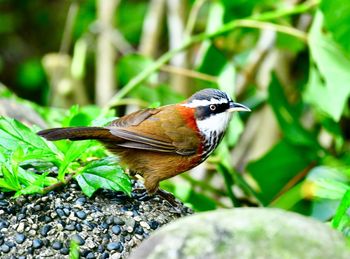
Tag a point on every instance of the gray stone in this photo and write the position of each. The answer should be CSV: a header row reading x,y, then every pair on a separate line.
x,y
245,233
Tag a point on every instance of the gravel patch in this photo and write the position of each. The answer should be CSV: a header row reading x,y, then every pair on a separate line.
x,y
109,223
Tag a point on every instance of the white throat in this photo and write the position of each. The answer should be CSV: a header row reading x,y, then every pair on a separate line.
x,y
215,123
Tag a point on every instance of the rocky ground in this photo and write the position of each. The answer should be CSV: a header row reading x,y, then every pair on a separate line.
x,y
109,223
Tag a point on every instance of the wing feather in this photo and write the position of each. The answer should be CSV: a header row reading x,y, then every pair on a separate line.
x,y
137,131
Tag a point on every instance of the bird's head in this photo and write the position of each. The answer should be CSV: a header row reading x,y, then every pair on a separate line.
x,y
213,110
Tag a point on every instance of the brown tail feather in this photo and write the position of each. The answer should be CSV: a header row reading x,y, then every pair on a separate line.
x,y
75,133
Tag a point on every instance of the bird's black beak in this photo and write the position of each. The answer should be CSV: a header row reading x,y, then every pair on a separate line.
x,y
237,107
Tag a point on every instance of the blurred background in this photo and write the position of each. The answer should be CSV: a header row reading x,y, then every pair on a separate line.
x,y
287,60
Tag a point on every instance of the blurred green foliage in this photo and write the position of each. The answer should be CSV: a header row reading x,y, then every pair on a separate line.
x,y
291,152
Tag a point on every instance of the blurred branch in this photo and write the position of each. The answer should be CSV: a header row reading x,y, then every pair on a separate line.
x,y
116,37
176,24
66,86
105,53
68,27
189,73
274,27
152,27
192,17
264,44
272,15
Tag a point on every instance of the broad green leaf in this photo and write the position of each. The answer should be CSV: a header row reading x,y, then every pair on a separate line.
x,y
14,134
328,87
337,20
75,150
288,117
341,213
183,191
201,202
103,173
29,178
324,182
278,166
326,189
10,179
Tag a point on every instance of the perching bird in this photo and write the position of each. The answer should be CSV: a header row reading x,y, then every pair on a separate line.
x,y
159,143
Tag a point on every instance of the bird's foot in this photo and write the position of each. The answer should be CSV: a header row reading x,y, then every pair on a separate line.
x,y
142,195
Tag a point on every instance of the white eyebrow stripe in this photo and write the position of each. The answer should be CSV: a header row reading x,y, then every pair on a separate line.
x,y
198,103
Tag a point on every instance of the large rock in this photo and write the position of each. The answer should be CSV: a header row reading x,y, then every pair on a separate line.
x,y
244,233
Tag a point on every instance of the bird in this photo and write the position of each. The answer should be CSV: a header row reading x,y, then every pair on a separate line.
x,y
159,143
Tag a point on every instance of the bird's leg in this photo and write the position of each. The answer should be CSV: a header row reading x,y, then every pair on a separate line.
x,y
168,197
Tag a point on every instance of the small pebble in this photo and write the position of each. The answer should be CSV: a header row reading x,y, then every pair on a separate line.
x,y
4,248
116,229
60,213
10,244
78,227
81,214
100,249
4,203
70,227
90,255
80,201
153,224
66,211
44,230
64,251
20,217
77,238
118,221
19,238
32,232
20,227
57,245
114,246
139,230
37,243
105,255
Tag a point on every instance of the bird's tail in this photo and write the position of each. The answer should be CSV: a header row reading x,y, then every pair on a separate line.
x,y
75,133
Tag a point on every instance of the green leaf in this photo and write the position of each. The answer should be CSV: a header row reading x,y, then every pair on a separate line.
x,y
341,213
278,166
103,173
75,150
14,134
328,87
10,179
288,117
337,20
324,182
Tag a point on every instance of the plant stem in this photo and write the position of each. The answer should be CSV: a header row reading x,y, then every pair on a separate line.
x,y
201,37
229,184
59,184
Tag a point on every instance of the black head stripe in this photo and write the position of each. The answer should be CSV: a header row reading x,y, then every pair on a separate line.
x,y
203,112
208,94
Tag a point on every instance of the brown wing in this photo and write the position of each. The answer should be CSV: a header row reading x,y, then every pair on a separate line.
x,y
134,118
160,130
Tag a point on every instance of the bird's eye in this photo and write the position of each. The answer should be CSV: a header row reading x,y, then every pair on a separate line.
x,y
212,107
